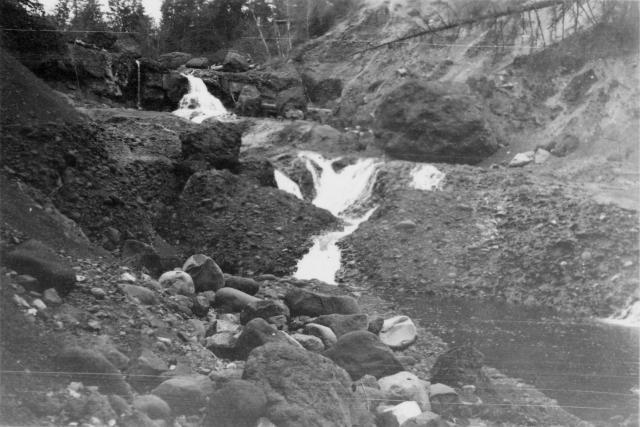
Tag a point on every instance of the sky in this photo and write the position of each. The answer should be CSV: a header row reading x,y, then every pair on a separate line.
x,y
151,6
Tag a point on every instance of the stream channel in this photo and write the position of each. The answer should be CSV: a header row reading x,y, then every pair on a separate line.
x,y
590,367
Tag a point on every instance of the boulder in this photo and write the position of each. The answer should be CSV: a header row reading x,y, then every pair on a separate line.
x,y
200,62
151,405
307,303
261,171
309,342
434,122
257,333
264,309
325,333
222,344
204,271
459,366
185,394
249,101
398,332
234,62
304,388
444,399
292,98
564,145
406,386
321,90
144,295
214,143
178,282
340,324
92,368
522,159
395,416
361,353
38,260
233,300
139,255
244,284
173,60
426,419
175,86
238,403
146,371
541,156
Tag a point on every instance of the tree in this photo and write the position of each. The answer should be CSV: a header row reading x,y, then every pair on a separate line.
x,y
62,13
89,17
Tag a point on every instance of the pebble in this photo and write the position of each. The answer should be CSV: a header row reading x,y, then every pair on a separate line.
x,y
51,296
127,277
21,302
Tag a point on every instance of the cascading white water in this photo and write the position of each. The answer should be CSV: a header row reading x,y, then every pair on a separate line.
x,y
340,193
199,105
287,184
630,316
139,104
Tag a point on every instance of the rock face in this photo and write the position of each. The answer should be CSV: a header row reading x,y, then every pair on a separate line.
x,y
361,353
434,122
298,389
238,403
305,303
38,260
204,271
215,144
398,332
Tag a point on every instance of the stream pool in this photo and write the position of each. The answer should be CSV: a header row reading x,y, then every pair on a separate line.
x,y
589,367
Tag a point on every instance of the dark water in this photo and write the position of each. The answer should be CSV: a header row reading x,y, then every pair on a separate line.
x,y
588,367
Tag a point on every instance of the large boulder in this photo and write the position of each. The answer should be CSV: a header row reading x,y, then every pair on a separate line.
x,y
406,386
235,62
233,300
434,122
264,309
293,98
178,282
173,60
361,353
459,366
216,144
238,403
398,332
38,260
249,101
244,284
204,271
257,333
304,388
396,416
185,394
321,90
200,62
340,324
92,369
260,170
175,86
305,303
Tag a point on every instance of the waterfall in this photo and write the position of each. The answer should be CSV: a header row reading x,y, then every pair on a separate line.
x,y
139,85
341,193
199,105
287,184
630,316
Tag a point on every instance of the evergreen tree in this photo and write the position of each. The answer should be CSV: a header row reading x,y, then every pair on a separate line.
x,y
62,13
